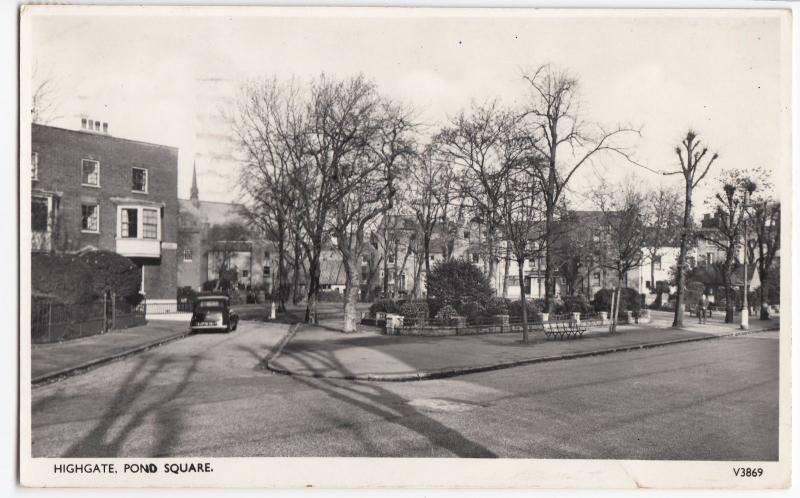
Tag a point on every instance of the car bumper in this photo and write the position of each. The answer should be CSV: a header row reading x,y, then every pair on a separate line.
x,y
208,327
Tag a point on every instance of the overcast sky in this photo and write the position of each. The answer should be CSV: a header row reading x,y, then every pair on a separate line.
x,y
161,79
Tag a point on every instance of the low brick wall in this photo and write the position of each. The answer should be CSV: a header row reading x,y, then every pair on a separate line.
x,y
442,331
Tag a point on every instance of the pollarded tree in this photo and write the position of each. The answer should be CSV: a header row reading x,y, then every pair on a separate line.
x,y
559,133
765,220
691,155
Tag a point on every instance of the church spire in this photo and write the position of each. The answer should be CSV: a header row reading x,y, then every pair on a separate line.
x,y
195,194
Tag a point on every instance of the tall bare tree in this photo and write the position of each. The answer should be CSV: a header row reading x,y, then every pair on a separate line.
x,y
765,220
44,101
560,134
691,155
625,232
473,142
726,232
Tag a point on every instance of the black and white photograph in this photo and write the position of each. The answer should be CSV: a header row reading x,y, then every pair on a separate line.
x,y
390,246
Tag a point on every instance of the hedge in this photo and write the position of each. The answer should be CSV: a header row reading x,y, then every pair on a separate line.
x,y
458,281
629,300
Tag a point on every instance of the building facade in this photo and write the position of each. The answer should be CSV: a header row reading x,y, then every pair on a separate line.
x,y
203,252
91,190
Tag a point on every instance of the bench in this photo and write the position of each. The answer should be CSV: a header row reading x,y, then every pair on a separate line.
x,y
562,330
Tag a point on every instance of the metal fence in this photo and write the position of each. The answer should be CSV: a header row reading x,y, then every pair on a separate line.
x,y
167,308
53,322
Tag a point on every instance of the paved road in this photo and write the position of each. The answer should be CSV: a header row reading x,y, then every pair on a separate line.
x,y
204,396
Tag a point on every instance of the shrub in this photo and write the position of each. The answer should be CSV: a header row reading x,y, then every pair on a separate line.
x,y
415,309
330,296
112,272
217,285
574,304
186,294
533,308
446,315
473,310
385,306
434,305
456,281
629,300
496,306
63,277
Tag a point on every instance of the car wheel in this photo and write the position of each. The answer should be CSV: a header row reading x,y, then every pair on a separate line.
x,y
236,325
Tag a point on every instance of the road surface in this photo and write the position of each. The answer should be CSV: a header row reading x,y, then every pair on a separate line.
x,y
205,396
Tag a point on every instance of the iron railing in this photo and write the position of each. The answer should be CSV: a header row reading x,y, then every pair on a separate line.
x,y
53,322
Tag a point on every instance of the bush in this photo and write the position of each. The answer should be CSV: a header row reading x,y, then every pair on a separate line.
x,y
434,305
112,272
573,304
629,300
415,309
85,277
496,306
456,281
385,306
62,277
217,285
446,315
473,310
186,294
330,296
533,307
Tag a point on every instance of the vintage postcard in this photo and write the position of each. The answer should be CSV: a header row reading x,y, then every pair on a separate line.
x,y
405,247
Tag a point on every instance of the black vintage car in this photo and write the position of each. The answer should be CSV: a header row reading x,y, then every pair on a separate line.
x,y
213,313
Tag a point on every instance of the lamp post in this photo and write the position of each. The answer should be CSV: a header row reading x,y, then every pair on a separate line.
x,y
749,187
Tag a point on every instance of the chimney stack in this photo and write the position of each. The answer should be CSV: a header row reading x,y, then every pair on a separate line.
x,y
95,126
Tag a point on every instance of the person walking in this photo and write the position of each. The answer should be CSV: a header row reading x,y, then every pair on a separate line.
x,y
702,308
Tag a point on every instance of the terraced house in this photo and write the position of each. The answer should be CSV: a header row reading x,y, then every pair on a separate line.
x,y
91,190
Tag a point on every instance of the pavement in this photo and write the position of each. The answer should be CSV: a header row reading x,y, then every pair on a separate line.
x,y
323,351
206,396
50,362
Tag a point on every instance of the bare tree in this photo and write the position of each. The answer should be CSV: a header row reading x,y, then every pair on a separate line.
x,y
474,144
521,212
623,223
691,155
661,207
44,101
559,134
765,218
225,241
366,179
262,122
726,232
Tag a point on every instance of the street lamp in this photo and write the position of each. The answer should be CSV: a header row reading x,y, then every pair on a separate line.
x,y
749,188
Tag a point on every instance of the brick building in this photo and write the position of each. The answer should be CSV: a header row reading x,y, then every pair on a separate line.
x,y
94,190
199,255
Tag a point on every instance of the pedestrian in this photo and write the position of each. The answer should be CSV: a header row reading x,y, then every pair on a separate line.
x,y
702,307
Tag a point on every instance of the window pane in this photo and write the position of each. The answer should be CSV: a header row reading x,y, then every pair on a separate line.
x,y
38,214
150,224
89,217
89,172
139,180
130,223
35,165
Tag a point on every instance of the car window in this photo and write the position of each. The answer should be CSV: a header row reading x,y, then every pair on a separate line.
x,y
211,304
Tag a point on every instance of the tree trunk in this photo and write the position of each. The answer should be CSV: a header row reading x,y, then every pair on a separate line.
x,y
652,274
549,291
520,272
681,277
507,264
313,288
281,267
351,296
296,275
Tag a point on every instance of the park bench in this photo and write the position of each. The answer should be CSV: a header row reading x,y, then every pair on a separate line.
x,y
563,329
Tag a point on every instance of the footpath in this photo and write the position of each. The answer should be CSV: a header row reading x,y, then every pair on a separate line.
x,y
323,351
50,362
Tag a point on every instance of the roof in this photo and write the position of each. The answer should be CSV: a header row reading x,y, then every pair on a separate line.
x,y
331,270
213,213
104,135
214,297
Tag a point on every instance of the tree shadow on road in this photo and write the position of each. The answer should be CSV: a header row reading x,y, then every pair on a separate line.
x,y
105,440
377,400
